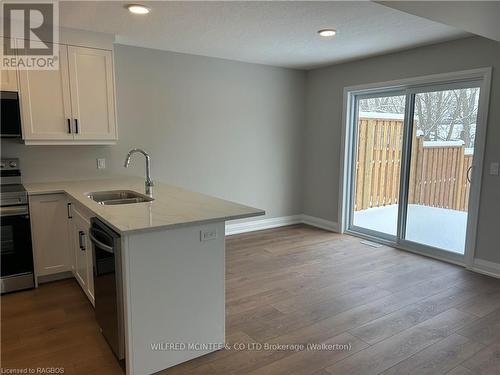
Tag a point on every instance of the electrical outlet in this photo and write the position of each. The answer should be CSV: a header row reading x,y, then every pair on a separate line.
x,y
494,169
101,163
208,234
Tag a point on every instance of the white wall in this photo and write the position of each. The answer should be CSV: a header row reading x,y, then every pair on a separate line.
x,y
224,128
324,111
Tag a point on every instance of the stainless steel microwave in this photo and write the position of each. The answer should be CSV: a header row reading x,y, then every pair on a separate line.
x,y
10,115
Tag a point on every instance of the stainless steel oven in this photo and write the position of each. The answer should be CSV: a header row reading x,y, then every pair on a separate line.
x,y
106,245
16,250
10,115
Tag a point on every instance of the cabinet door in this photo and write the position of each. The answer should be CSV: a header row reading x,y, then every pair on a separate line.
x,y
45,102
49,220
81,247
92,93
8,78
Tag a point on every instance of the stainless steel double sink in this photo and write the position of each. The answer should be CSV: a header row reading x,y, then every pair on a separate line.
x,y
115,197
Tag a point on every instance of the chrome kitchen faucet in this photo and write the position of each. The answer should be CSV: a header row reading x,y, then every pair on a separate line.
x,y
149,183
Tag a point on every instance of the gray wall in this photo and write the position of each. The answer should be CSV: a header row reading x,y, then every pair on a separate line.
x,y
242,132
228,129
324,111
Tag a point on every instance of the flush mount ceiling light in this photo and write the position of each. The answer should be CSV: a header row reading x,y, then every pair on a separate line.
x,y
138,9
327,33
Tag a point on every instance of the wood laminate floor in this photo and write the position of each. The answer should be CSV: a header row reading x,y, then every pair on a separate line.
x,y
388,311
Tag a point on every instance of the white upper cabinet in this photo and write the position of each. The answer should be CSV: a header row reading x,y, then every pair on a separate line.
x,y
92,93
8,79
45,102
72,105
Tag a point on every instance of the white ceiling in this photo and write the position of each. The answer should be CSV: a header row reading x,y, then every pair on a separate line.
x,y
478,17
279,33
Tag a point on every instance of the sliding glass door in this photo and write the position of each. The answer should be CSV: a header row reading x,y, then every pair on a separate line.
x,y
411,162
378,148
441,155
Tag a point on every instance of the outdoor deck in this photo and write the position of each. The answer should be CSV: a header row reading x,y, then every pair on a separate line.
x,y
439,227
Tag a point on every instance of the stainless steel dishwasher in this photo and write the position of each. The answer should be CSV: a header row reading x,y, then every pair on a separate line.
x,y
106,245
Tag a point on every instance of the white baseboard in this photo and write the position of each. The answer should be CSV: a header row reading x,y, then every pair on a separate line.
x,y
317,222
55,277
486,267
275,222
261,224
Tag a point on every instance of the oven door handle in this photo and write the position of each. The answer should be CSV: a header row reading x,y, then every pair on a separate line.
x,y
14,211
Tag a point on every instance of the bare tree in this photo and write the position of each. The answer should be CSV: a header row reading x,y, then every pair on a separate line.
x,y
440,116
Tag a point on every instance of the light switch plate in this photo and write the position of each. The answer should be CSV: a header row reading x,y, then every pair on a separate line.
x,y
494,169
208,234
101,163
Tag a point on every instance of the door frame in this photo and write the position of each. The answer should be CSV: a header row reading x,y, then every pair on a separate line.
x,y
411,85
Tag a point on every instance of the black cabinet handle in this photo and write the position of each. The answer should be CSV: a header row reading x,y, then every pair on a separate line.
x,y
69,126
69,211
76,126
80,239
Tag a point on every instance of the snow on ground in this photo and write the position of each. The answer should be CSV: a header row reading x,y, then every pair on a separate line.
x,y
438,227
381,115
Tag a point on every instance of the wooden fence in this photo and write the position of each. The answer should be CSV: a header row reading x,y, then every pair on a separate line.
x,y
438,174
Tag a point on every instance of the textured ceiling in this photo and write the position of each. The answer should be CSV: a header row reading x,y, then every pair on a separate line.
x,y
281,33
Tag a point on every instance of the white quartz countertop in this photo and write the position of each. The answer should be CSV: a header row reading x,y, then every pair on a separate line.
x,y
171,207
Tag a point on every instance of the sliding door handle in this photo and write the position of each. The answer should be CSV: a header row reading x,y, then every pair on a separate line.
x,y
69,126
76,126
469,174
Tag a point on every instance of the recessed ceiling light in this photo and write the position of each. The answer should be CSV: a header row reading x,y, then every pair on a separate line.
x,y
327,33
138,9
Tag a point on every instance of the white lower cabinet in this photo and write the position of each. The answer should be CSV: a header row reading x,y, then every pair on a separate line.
x,y
60,231
49,228
82,251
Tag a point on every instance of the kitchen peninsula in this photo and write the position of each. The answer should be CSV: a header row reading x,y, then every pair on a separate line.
x,y
171,258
